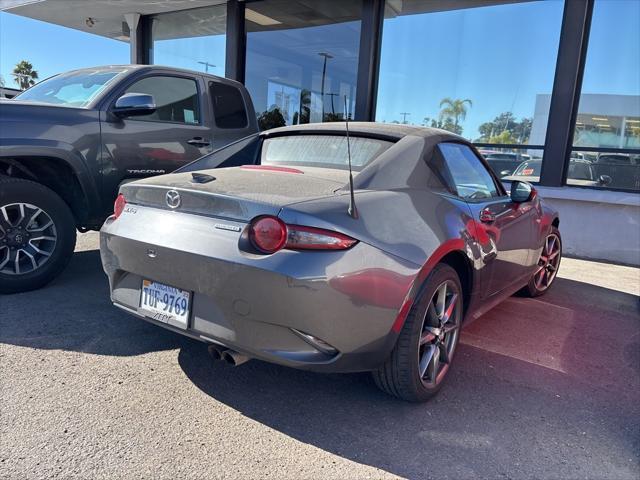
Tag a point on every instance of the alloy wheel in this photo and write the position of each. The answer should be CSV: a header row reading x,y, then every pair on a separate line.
x,y
439,337
548,263
28,238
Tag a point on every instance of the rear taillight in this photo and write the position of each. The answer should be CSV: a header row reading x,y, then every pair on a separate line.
x,y
118,206
270,234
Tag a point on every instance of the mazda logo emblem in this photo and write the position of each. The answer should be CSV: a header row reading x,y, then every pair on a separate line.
x,y
173,199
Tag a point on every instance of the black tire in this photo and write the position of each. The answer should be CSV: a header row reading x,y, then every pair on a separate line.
x,y
400,375
535,288
16,191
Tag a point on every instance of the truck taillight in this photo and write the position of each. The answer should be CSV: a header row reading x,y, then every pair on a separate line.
x,y
118,206
269,234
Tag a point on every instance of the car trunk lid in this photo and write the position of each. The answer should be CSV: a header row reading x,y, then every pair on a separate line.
x,y
238,193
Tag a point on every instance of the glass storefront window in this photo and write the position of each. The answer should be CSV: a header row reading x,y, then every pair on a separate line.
x,y
479,71
609,111
193,39
302,59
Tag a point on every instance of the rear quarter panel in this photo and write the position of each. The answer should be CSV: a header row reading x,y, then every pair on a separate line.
x,y
415,225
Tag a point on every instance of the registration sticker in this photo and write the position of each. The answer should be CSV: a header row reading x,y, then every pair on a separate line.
x,y
165,303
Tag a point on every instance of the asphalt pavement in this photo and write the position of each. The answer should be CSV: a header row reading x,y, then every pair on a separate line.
x,y
544,388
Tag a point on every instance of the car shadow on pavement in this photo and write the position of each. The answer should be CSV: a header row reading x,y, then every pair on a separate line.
x,y
546,387
537,390
74,313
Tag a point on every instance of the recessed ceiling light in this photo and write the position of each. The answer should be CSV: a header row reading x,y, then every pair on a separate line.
x,y
259,18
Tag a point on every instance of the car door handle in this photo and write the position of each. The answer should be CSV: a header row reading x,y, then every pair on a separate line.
x,y
487,216
199,142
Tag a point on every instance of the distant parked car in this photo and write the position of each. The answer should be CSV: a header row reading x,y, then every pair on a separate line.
x,y
623,169
69,142
280,260
504,163
581,172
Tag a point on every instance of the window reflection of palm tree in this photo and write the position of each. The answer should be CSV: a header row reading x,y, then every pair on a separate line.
x,y
305,106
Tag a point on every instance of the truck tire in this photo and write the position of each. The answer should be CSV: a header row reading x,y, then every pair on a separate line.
x,y
37,235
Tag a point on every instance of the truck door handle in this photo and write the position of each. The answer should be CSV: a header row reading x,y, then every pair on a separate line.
x,y
487,216
199,142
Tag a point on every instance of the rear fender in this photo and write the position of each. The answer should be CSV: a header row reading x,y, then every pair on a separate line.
x,y
453,245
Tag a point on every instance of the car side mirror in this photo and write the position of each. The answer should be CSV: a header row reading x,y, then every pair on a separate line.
x,y
521,192
134,104
504,173
604,179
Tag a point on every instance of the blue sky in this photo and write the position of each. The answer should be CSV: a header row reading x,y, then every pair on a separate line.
x,y
53,49
500,57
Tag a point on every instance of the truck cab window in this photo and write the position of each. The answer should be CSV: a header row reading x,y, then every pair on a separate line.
x,y
229,110
176,99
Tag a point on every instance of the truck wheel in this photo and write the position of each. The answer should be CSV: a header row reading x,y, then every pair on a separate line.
x,y
37,235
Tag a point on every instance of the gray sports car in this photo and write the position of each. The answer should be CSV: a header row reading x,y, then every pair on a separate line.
x,y
263,250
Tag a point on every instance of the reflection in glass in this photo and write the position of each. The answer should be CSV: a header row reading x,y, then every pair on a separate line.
x,y
609,112
610,169
515,165
302,59
194,39
473,71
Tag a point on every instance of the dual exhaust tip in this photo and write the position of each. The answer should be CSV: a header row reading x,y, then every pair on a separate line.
x,y
229,356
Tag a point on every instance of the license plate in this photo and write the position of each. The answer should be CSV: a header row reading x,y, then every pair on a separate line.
x,y
165,303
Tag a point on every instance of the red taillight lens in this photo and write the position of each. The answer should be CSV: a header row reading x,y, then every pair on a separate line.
x,y
270,234
118,206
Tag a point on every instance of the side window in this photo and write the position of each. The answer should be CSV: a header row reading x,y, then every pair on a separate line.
x,y
228,106
176,99
464,172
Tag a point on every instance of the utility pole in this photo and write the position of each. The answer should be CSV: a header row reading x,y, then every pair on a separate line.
x,y
404,117
324,72
206,66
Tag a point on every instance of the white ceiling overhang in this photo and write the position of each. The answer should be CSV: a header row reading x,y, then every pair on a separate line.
x,y
100,17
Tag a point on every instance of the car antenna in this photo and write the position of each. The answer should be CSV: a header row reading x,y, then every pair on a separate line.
x,y
353,211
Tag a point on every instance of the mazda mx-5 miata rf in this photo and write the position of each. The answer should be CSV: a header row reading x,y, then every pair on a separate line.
x,y
264,250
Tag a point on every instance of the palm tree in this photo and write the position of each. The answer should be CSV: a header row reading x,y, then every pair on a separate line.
x,y
454,109
25,75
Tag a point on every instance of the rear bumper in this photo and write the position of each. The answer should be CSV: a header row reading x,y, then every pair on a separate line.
x,y
254,304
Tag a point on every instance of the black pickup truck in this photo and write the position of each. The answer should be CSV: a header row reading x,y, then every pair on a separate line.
x,y
69,142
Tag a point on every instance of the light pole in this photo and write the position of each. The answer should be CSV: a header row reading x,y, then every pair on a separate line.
x,y
324,72
206,66
404,117
333,108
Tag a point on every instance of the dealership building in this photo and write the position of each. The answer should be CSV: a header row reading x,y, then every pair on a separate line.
x,y
558,80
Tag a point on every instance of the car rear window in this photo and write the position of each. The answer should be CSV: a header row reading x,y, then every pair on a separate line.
x,y
328,151
580,171
528,169
228,106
